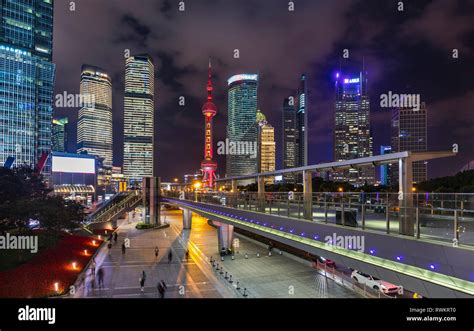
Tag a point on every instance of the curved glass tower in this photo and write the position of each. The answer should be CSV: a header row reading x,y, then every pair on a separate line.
x,y
242,123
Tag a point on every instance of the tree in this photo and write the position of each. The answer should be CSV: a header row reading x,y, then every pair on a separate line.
x,y
24,196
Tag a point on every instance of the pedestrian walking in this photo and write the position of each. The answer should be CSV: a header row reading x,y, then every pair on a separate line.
x,y
92,281
142,284
170,256
115,237
157,251
123,248
163,284
93,265
100,275
142,281
161,290
187,254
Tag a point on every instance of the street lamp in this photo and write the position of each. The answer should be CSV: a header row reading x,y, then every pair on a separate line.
x,y
197,185
175,180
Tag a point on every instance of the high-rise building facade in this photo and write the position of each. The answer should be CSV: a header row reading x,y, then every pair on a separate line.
x,y
266,147
409,133
302,123
59,135
26,80
385,170
289,137
94,125
242,126
138,157
352,137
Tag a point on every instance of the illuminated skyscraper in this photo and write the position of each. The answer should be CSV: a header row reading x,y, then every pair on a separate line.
x,y
242,126
26,80
289,137
138,118
59,136
302,123
94,126
409,133
209,110
266,147
352,138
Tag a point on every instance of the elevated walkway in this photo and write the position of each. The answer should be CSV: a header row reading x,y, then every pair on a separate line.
x,y
431,268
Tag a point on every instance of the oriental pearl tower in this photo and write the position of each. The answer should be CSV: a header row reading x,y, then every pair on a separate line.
x,y
209,110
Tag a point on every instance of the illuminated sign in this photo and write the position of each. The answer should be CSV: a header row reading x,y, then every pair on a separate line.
x,y
237,78
351,80
73,165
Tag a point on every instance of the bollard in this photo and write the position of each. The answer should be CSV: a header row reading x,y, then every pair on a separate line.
x,y
222,258
258,254
238,286
233,257
222,271
217,266
226,277
230,279
281,253
269,253
245,292
246,256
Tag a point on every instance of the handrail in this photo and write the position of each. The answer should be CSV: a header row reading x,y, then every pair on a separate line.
x,y
132,198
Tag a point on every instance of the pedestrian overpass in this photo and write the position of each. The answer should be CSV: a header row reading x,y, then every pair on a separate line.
x,y
407,240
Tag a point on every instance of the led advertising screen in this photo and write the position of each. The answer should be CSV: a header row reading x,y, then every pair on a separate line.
x,y
73,165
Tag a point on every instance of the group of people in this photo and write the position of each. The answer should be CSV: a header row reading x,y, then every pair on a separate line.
x,y
160,286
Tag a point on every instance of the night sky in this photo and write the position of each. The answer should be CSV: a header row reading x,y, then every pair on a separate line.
x,y
403,52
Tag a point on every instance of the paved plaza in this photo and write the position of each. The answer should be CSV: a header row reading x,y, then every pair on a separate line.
x,y
276,276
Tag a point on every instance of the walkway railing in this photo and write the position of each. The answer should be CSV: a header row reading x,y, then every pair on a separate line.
x,y
436,216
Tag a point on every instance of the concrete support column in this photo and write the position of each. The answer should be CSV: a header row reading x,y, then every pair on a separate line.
x,y
307,195
151,200
405,197
225,235
187,218
234,186
261,194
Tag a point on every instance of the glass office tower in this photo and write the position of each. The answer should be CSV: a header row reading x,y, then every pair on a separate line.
x,y
289,138
59,135
94,125
352,137
385,169
242,125
266,147
302,123
26,80
138,118
409,133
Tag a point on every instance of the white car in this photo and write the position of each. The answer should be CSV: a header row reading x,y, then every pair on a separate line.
x,y
375,283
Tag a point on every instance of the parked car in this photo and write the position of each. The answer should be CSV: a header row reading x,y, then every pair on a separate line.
x,y
375,283
327,262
